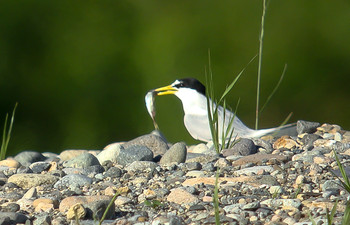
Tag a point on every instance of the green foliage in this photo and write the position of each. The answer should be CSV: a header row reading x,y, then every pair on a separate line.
x,y
108,207
346,217
346,185
330,215
216,198
154,203
346,182
213,112
6,135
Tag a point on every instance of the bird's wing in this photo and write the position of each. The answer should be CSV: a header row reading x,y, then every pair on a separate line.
x,y
239,128
198,126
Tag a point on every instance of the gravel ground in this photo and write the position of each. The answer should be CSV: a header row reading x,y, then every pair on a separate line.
x,y
284,180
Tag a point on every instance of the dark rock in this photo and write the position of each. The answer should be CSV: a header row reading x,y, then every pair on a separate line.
x,y
306,126
5,221
134,153
39,167
308,140
264,144
24,169
15,218
196,207
96,209
114,172
28,157
11,207
193,166
209,167
243,147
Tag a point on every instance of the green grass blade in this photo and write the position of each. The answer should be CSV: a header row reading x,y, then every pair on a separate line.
x,y
312,219
261,39
216,198
7,134
346,182
108,207
3,143
275,89
346,217
228,89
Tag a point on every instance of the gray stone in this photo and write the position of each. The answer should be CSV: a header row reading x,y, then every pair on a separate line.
x,y
5,221
331,185
153,142
264,144
306,126
96,209
251,206
11,207
209,167
82,161
243,147
309,139
141,166
42,219
28,157
14,218
73,179
38,167
176,154
276,203
114,172
193,166
253,170
134,153
110,153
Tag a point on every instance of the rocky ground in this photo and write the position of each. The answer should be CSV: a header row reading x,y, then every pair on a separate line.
x,y
283,180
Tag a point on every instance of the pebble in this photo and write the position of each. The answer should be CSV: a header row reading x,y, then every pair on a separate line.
x,y
28,157
110,153
82,161
306,126
32,180
39,167
13,217
153,142
279,184
182,197
176,154
243,147
78,180
134,153
10,162
70,154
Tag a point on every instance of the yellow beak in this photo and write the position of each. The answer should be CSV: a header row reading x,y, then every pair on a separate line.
x,y
167,90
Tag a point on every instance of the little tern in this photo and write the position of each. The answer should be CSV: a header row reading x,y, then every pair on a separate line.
x,y
191,92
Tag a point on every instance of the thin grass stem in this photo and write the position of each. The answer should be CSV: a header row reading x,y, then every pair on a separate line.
x,y
275,89
260,64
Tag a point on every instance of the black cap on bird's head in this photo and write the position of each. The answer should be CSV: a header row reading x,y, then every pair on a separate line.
x,y
191,83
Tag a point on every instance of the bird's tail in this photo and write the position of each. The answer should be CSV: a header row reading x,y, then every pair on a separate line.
x,y
289,129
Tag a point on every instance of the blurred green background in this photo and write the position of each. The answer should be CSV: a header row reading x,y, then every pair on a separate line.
x,y
80,69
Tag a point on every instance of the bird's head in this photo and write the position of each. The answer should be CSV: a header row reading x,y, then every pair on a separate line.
x,y
181,86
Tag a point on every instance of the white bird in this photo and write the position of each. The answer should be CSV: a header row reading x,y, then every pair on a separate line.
x,y
191,92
